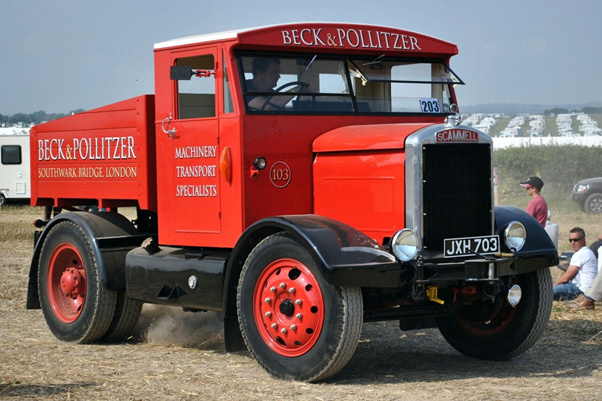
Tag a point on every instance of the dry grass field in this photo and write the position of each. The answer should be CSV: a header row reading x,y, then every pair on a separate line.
x,y
178,356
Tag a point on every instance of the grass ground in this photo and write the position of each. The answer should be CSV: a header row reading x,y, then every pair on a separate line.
x,y
164,361
174,355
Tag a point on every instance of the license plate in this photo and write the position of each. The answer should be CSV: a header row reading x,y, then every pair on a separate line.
x,y
471,246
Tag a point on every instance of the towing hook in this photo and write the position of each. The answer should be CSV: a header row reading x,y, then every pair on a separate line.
x,y
431,293
492,289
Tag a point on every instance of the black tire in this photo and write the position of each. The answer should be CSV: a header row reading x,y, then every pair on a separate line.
x,y
496,331
341,312
593,203
67,247
127,313
2,200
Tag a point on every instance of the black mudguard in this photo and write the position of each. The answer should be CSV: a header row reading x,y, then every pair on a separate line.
x,y
111,236
539,252
344,255
336,247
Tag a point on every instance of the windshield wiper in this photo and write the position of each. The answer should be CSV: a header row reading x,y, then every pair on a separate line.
x,y
310,62
376,60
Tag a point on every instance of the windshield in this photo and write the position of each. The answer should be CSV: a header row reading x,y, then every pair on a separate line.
x,y
319,84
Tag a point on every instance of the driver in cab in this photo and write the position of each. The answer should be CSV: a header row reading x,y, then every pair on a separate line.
x,y
266,73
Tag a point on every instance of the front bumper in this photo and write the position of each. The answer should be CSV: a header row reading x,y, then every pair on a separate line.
x,y
471,270
397,275
578,197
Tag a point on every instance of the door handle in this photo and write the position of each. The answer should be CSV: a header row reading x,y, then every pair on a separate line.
x,y
170,132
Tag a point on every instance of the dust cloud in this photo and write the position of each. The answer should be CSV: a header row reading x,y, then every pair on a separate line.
x,y
164,325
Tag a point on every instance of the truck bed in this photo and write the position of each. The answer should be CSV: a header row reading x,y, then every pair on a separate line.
x,y
103,157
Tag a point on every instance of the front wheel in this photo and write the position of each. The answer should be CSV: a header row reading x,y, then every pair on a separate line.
x,y
497,331
593,203
296,324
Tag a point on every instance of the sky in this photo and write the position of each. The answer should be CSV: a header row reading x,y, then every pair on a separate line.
x,y
63,55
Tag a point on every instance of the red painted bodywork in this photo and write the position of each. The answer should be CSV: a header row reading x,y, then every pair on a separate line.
x,y
359,177
104,156
346,167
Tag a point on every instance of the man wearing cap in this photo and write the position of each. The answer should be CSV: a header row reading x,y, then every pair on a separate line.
x,y
537,207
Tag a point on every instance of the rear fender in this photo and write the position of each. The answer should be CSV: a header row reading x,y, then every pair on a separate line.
x,y
111,236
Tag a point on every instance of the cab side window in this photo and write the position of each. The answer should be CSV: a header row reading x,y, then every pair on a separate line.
x,y
196,98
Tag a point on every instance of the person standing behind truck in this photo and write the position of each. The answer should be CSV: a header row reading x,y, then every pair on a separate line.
x,y
537,207
581,272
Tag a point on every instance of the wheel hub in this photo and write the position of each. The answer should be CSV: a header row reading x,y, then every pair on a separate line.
x,y
71,282
288,307
66,282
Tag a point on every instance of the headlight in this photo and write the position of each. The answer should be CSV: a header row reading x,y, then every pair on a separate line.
x,y
515,293
515,235
404,245
581,188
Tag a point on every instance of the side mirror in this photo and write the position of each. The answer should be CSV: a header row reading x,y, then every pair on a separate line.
x,y
180,73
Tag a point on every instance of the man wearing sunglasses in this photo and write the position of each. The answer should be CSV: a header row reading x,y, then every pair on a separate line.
x,y
594,292
537,207
581,272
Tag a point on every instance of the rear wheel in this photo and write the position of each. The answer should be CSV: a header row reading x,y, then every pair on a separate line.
x,y
497,331
593,203
2,200
296,324
127,313
76,306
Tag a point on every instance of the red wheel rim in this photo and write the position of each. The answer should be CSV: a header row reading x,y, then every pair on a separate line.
x,y
496,322
66,283
288,307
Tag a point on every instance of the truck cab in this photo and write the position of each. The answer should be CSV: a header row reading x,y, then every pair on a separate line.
x,y
227,109
301,179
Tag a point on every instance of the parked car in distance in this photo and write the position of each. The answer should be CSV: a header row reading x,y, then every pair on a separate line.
x,y
588,194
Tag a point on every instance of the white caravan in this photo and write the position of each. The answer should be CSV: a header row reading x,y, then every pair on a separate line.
x,y
14,164
592,132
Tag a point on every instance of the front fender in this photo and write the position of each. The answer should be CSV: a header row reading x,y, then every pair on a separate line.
x,y
539,252
344,255
335,244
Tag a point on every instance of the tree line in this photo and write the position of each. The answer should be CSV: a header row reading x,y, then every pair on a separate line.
x,y
586,110
36,117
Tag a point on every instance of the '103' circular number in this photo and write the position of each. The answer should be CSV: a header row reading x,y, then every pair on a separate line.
x,y
280,174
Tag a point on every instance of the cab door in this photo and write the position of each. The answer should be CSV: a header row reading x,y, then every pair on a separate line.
x,y
193,132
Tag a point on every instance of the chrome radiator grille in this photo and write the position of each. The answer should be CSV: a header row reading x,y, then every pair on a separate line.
x,y
457,192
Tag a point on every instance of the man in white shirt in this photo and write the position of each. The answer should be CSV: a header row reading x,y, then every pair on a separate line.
x,y
593,293
581,272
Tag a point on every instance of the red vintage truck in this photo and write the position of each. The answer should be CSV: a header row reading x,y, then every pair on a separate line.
x,y
301,179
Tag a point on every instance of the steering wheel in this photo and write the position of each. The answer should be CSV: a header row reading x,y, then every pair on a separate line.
x,y
281,88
